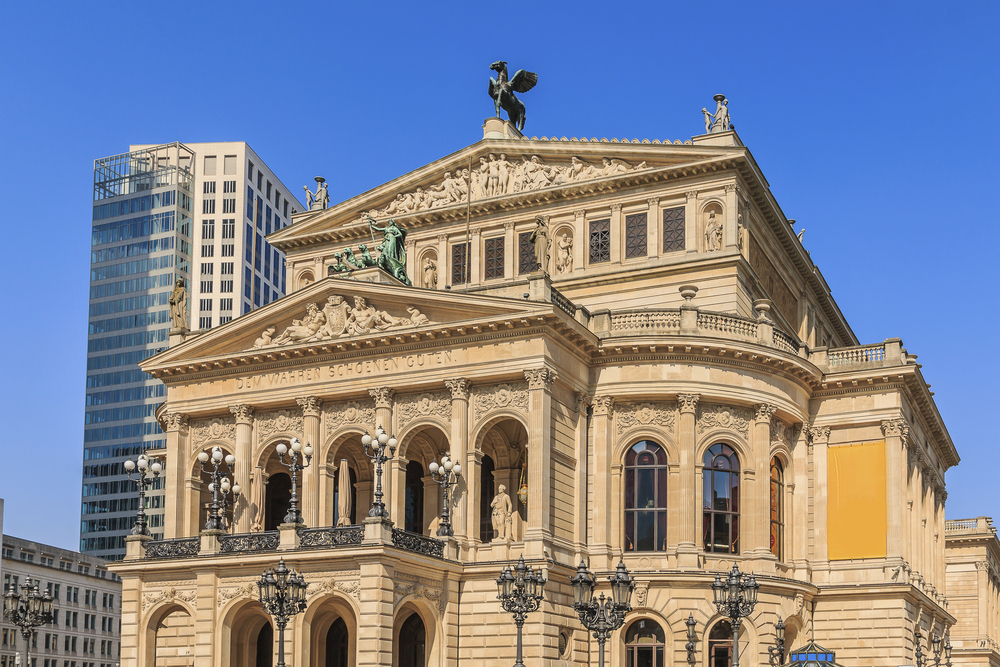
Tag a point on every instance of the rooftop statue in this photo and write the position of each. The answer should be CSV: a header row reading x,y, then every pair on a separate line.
x,y
719,121
392,255
502,91
321,199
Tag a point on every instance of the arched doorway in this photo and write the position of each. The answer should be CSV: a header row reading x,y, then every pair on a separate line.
x,y
248,637
169,637
412,642
337,644
265,647
644,644
279,495
503,446
720,645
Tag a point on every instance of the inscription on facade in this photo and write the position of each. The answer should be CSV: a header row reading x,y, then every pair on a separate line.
x,y
364,368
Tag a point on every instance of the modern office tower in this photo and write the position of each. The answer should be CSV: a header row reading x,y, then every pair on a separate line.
x,y
195,212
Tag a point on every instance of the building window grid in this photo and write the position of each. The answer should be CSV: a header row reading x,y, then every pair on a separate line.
x,y
673,229
636,236
600,241
494,258
777,508
721,478
459,264
525,254
646,497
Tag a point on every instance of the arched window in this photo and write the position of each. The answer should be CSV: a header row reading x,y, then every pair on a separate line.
x,y
487,491
277,499
721,500
720,645
777,507
337,642
645,497
644,644
354,497
265,647
412,642
414,498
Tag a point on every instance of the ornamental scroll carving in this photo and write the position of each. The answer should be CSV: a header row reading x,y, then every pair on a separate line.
x,y
352,412
279,421
205,430
347,581
167,595
513,395
418,589
247,590
783,433
631,415
724,416
412,406
173,421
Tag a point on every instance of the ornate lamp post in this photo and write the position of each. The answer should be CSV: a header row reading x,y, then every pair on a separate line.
x,y
446,475
293,515
735,598
778,650
917,636
520,593
283,595
375,450
141,468
27,610
220,479
937,648
602,616
691,637
947,651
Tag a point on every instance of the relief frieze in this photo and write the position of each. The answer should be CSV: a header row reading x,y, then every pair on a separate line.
x,y
512,395
212,430
278,421
351,369
724,416
361,413
413,406
631,415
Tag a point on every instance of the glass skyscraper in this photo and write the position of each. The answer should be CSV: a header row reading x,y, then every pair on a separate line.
x,y
196,212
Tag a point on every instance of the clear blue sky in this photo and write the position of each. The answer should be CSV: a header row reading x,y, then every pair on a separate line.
x,y
875,124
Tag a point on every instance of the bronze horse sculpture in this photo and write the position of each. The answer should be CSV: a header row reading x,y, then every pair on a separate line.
x,y
502,91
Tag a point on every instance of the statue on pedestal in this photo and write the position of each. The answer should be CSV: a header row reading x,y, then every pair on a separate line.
x,y
430,274
564,254
713,233
502,91
501,516
719,121
540,237
321,199
392,255
178,306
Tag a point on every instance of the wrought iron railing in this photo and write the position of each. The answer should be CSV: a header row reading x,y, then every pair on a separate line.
x,y
180,547
331,537
248,542
407,541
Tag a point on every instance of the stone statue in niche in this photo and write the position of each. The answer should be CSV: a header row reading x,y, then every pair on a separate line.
x,y
178,306
713,233
564,253
430,273
502,515
321,199
540,237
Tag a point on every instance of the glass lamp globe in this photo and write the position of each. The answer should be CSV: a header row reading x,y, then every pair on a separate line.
x,y
142,463
448,465
156,467
433,466
308,449
382,437
296,445
211,487
230,459
366,440
281,448
457,469
236,488
129,465
203,457
225,483
393,443
216,454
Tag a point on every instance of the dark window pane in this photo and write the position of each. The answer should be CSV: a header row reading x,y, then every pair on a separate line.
x,y
493,260
645,538
734,534
720,497
720,534
629,531
600,241
661,487
673,229
734,494
644,492
661,531
630,488
459,264
635,235
525,253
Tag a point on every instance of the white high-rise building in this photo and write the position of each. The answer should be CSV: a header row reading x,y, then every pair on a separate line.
x,y
196,212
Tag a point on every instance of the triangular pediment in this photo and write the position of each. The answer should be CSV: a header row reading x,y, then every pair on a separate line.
x,y
501,174
341,314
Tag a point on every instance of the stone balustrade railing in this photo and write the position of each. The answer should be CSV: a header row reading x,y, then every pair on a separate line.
x,y
981,524
646,321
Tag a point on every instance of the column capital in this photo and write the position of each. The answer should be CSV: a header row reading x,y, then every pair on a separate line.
x,y
173,421
383,396
616,207
691,195
583,399
459,387
895,427
652,201
688,402
442,238
243,413
579,213
763,412
540,378
730,187
476,231
819,434
603,405
508,225
310,405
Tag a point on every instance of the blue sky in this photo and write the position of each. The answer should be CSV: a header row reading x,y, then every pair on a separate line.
x,y
875,124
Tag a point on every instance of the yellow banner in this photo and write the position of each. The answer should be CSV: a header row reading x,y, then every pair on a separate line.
x,y
856,522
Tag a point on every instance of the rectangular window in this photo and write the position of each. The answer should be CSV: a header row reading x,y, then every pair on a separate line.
x,y
260,180
207,250
228,250
111,601
207,229
268,195
226,286
229,166
208,206
250,202
459,264
635,235
228,228
205,322
600,241
206,286
250,171
76,594
286,208
225,305
207,269
493,264
229,206
210,166
525,253
206,305
673,229
86,600
208,187
229,187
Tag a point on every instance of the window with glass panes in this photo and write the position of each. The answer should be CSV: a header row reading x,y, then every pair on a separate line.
x,y
600,241
721,518
777,507
459,264
525,254
493,258
673,229
646,497
635,235
645,643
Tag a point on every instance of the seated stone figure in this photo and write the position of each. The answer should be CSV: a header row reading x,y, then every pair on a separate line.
x,y
364,318
304,329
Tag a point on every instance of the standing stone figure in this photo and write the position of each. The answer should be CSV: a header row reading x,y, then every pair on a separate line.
x,y
540,237
178,306
564,254
713,233
720,120
501,517
320,200
430,274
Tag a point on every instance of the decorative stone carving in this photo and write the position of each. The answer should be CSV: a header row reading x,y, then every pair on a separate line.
x,y
412,406
321,198
895,427
501,396
719,121
688,402
783,433
564,253
382,396
641,593
204,430
248,590
417,589
279,421
178,306
819,434
724,416
583,400
242,413
310,405
345,582
603,405
167,595
540,239
713,232
631,415
352,412
459,387
174,421
430,273
763,412
540,378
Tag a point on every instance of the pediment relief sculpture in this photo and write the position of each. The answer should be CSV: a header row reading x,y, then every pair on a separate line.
x,y
206,430
279,421
412,406
724,416
352,412
337,319
500,396
631,415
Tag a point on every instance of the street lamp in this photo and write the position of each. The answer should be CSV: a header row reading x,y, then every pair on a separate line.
x,y
947,651
691,637
446,475
602,616
779,642
220,483
294,515
283,595
735,599
27,610
917,636
520,593
375,450
141,468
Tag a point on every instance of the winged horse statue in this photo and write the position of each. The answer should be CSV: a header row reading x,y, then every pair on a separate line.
x,y
502,91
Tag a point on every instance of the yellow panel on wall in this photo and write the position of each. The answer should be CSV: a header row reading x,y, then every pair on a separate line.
x,y
856,522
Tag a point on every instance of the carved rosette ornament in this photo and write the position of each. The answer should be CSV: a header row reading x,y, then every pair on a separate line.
x,y
459,387
632,415
383,396
310,405
725,417
361,413
278,421
688,402
540,378
208,430
504,396
243,413
414,406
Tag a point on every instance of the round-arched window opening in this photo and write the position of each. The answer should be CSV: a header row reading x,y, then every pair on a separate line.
x,y
721,518
644,643
646,497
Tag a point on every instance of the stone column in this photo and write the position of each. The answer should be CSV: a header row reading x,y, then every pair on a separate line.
x,y
509,251
244,465
376,603
580,238
820,437
459,447
395,470
432,492
580,482
473,492
732,211
691,221
895,432
411,262
800,507
383,417
443,262
175,475
687,445
476,265
311,476
539,473
653,242
761,524
617,230
603,442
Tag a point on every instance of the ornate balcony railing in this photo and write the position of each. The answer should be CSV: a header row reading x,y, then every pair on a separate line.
x,y
861,355
982,524
407,541
784,342
330,537
180,547
248,542
650,321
